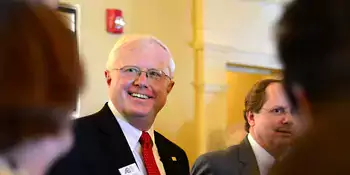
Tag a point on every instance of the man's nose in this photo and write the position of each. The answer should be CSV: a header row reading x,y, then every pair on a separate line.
x,y
288,118
141,79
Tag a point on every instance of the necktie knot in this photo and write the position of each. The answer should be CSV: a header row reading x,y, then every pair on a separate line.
x,y
146,140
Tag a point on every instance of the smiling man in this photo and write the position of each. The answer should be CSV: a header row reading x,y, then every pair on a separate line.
x,y
119,139
271,129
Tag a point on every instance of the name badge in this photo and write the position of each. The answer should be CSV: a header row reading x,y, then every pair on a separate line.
x,y
131,169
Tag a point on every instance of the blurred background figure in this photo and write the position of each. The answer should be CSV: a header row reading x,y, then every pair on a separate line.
x,y
314,46
40,77
270,127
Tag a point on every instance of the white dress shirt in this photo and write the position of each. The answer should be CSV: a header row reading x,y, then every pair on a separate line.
x,y
263,158
133,135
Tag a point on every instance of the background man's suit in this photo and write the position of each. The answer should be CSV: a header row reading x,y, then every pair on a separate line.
x,y
102,149
236,160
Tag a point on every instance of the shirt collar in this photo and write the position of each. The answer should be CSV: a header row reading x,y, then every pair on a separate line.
x,y
131,133
264,159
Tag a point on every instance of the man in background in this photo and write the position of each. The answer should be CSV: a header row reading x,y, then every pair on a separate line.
x,y
120,139
270,127
314,46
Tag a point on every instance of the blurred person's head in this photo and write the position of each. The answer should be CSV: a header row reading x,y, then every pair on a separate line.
x,y
40,77
269,117
313,43
314,46
139,75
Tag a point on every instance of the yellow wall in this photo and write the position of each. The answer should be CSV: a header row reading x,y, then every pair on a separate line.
x,y
238,86
170,21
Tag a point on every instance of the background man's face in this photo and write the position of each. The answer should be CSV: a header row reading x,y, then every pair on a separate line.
x,y
273,127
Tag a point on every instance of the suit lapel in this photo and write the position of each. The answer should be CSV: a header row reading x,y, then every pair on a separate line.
x,y
114,140
248,163
164,154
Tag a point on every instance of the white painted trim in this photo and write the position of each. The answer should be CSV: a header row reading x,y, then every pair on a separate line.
x,y
269,1
249,70
237,56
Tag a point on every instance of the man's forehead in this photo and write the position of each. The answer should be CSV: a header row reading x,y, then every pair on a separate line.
x,y
275,95
142,44
143,53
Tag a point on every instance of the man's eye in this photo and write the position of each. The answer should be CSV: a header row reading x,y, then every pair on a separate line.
x,y
278,111
130,70
154,74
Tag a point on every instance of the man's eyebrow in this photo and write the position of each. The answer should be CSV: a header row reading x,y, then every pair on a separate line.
x,y
278,106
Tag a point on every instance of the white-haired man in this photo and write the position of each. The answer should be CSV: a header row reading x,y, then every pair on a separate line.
x,y
119,139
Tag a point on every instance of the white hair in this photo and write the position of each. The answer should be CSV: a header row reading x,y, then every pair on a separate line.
x,y
113,55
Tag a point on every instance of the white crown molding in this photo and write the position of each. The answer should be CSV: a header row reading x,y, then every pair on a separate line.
x,y
237,56
270,1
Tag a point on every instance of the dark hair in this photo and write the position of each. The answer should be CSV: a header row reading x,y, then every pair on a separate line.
x,y
40,72
314,46
256,98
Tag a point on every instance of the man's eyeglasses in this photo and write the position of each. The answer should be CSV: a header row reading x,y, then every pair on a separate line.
x,y
133,72
279,111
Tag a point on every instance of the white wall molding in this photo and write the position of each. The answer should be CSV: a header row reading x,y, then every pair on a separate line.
x,y
280,2
237,56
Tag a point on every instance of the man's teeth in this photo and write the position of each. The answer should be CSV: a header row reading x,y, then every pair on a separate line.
x,y
140,96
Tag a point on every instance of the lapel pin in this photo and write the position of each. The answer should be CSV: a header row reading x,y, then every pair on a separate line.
x,y
174,159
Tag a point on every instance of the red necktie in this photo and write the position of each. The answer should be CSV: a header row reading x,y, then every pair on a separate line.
x,y
147,154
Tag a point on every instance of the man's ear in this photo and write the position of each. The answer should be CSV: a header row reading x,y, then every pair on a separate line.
x,y
170,86
250,118
108,77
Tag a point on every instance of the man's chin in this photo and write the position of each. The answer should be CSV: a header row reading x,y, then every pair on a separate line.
x,y
140,119
284,142
138,113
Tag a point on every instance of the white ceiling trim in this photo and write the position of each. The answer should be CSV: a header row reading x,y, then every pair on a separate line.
x,y
236,56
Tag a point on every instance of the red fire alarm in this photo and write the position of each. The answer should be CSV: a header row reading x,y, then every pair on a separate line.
x,y
115,21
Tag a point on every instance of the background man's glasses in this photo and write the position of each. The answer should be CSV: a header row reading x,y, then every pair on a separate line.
x,y
279,111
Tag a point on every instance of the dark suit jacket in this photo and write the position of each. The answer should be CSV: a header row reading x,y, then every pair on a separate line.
x,y
101,149
236,160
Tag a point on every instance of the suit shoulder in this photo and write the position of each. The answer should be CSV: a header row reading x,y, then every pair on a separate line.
x,y
86,125
216,162
218,157
222,153
87,120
